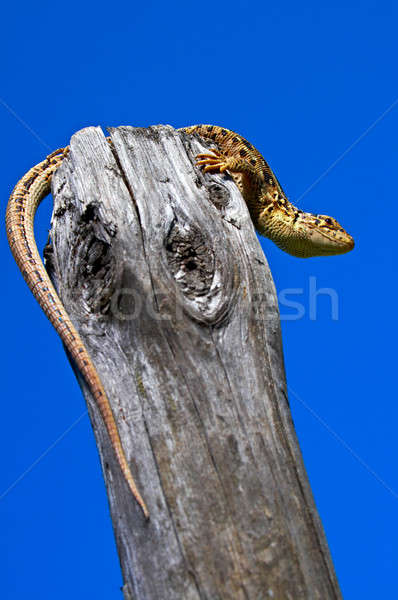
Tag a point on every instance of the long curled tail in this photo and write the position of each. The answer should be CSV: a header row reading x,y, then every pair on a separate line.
x,y
21,209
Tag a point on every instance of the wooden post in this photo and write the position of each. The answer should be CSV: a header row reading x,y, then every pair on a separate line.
x,y
161,271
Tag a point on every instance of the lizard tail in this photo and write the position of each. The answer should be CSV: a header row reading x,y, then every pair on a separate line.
x,y
21,209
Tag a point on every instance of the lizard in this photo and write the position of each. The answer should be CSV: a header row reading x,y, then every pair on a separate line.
x,y
299,233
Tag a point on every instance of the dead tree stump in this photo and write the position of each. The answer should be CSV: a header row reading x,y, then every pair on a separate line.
x,y
160,269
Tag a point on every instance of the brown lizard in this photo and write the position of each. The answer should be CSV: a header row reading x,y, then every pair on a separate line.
x,y
299,233
293,230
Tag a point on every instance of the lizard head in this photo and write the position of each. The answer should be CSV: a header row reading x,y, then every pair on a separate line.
x,y
324,236
305,234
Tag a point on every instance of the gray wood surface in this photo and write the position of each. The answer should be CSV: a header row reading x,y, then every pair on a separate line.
x,y
161,271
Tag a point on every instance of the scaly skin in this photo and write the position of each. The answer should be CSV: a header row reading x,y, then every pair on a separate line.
x,y
294,231
299,233
21,209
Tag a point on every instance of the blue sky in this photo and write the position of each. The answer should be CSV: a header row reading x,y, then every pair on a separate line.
x,y
312,86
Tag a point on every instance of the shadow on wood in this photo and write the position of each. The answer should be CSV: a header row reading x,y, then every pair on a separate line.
x,y
161,272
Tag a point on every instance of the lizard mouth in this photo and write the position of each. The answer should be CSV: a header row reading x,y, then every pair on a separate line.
x,y
317,243
331,242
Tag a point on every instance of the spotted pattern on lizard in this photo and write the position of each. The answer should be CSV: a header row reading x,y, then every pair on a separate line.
x,y
299,233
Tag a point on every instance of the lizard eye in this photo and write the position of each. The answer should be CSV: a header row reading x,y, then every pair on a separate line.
x,y
329,221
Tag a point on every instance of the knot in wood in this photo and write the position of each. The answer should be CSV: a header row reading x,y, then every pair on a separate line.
x,y
94,263
190,259
219,195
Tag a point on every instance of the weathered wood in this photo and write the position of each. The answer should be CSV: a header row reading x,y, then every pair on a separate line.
x,y
161,271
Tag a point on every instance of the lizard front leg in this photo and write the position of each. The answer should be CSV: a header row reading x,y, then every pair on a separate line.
x,y
216,161
246,177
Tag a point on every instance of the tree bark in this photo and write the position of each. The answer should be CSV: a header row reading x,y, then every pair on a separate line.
x,y
160,269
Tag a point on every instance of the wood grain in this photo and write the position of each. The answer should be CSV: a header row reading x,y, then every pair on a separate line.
x,y
161,272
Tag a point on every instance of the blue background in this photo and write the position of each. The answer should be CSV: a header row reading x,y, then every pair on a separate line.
x,y
302,82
